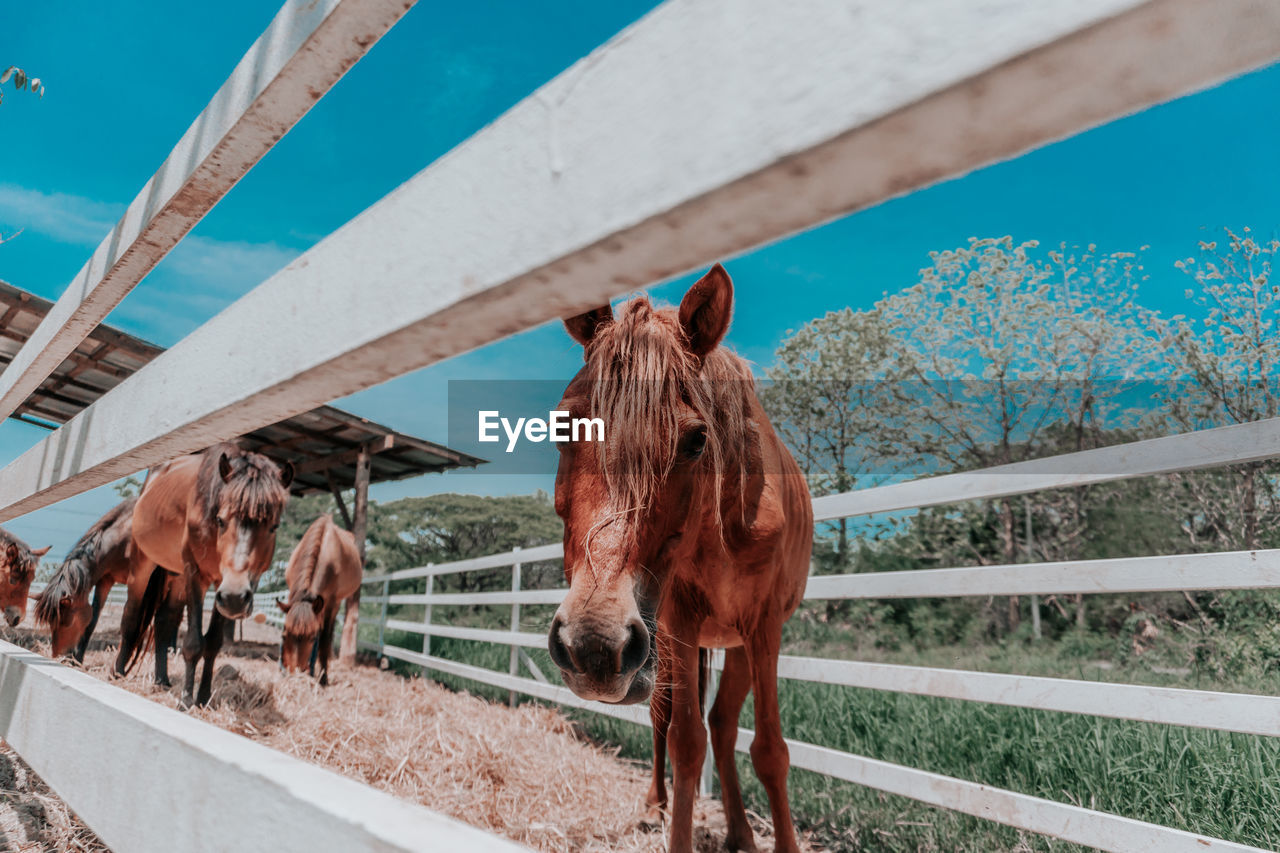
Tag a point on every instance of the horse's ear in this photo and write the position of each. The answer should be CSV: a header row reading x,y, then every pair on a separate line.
x,y
40,552
224,467
283,607
706,309
12,554
584,327
286,473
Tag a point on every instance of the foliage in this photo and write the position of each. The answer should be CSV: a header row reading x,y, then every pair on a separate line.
x,y
20,81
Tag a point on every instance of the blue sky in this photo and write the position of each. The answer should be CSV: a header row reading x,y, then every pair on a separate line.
x,y
125,82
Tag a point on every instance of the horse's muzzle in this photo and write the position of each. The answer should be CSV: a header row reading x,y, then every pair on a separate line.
x,y
13,616
234,605
602,667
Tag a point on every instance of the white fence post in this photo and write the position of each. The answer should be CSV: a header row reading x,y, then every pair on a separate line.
x,y
426,618
714,662
382,617
515,626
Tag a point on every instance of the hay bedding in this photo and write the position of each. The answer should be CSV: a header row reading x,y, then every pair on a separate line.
x,y
525,773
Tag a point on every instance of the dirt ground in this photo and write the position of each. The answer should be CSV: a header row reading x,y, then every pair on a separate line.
x,y
525,773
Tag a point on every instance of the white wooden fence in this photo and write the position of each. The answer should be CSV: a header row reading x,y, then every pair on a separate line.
x,y
1250,714
705,129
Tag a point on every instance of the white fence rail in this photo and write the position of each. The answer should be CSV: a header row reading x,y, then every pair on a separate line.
x,y
755,119
1249,714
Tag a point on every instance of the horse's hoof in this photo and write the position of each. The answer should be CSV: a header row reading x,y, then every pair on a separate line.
x,y
655,817
163,683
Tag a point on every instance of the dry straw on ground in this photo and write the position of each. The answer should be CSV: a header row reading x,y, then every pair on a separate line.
x,y
524,773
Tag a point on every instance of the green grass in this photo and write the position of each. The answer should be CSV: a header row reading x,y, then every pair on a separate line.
x,y
1219,784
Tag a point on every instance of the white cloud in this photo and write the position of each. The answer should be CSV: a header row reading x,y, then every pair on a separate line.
x,y
58,216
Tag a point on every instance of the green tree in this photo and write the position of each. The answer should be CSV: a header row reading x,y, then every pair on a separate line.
x,y
444,528
1225,372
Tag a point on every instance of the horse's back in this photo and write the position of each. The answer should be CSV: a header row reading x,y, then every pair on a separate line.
x,y
343,557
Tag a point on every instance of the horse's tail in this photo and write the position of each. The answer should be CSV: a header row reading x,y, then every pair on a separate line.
x,y
147,617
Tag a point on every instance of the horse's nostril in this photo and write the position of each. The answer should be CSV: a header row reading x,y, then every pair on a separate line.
x,y
636,651
559,651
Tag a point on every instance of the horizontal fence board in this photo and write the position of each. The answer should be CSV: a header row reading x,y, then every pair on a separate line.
x,y
532,219
195,775
492,561
1236,712
1059,820
305,50
527,596
1225,570
483,635
1047,817
1249,442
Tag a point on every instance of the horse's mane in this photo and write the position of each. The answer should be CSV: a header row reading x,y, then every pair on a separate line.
x,y
641,368
28,560
302,618
254,491
80,569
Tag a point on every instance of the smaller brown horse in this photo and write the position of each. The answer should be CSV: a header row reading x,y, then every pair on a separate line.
x,y
16,575
100,559
324,571
214,515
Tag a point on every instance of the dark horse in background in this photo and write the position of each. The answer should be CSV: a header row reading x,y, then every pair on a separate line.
x,y
324,570
100,559
688,528
214,516
17,571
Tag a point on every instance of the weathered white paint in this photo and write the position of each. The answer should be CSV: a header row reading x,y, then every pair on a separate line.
x,y
212,789
1236,712
307,48
528,596
1204,449
1224,570
755,119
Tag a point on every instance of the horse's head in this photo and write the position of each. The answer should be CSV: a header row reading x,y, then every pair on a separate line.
x,y
66,619
16,574
301,625
637,503
248,494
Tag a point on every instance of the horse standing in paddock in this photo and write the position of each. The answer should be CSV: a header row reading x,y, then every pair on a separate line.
x,y
689,527
103,557
214,514
17,572
324,570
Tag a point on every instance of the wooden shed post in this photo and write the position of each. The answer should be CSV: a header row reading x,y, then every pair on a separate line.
x,y
359,527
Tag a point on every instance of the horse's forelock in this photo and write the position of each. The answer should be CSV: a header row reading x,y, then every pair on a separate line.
x,y
253,491
640,371
302,620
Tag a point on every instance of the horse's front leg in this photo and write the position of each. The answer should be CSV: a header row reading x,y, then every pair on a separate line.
x,y
769,752
212,645
660,716
99,596
687,736
193,642
324,644
735,684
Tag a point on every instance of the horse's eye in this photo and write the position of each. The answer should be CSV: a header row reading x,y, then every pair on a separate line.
x,y
273,527
222,523
693,443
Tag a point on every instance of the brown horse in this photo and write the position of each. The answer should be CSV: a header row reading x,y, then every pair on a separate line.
x,y
214,514
103,557
324,570
16,574
690,518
